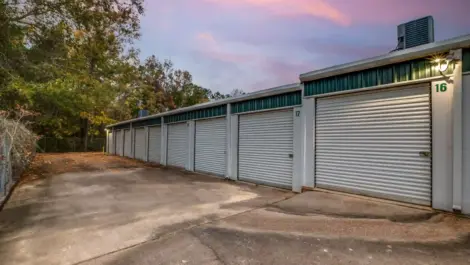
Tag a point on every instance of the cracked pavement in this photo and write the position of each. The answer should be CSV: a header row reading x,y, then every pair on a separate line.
x,y
149,215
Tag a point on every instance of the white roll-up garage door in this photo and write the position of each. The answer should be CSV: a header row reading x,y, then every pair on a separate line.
x,y
139,139
119,143
211,145
266,148
376,143
155,146
110,146
127,143
178,144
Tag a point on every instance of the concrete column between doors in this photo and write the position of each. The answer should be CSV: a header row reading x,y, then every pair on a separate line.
x,y
466,144
233,147
164,144
228,152
297,145
308,142
191,144
457,135
146,133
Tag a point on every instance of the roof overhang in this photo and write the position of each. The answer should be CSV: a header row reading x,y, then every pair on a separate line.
x,y
258,94
390,58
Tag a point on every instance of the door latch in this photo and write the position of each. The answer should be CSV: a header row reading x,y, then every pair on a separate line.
x,y
425,154
291,155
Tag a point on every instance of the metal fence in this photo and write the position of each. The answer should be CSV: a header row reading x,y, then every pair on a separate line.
x,y
5,167
70,144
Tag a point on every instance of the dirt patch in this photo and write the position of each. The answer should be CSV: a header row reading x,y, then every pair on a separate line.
x,y
47,165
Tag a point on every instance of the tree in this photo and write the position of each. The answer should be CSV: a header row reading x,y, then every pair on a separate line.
x,y
72,62
237,92
159,87
217,96
62,42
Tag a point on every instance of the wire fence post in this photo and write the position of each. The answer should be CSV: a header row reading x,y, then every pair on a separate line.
x,y
5,163
2,166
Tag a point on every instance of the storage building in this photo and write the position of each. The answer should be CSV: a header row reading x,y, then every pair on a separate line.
x,y
396,126
250,137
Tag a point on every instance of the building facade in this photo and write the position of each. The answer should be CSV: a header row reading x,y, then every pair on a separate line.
x,y
394,126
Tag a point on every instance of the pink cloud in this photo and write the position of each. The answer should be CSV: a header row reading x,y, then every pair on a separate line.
x,y
206,37
316,8
278,72
226,56
285,71
393,12
275,71
210,48
341,48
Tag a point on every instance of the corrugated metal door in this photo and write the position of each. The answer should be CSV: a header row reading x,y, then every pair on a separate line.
x,y
177,144
119,143
139,139
127,143
155,144
265,152
211,145
376,143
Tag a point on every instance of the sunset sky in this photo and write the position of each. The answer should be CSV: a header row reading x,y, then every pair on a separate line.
x,y
258,44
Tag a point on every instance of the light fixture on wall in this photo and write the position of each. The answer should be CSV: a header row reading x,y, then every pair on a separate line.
x,y
442,61
442,64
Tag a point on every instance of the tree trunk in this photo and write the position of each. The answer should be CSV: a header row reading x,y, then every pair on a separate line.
x,y
85,144
87,121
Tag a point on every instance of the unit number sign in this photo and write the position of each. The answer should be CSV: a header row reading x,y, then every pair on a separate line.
x,y
442,87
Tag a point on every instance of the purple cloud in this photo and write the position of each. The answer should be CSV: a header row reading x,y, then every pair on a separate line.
x,y
256,44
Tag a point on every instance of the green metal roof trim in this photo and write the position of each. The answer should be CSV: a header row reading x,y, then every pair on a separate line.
x,y
154,121
122,126
395,73
466,60
223,102
216,111
271,102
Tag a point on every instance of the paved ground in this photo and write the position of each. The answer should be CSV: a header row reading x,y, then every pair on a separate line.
x,y
91,209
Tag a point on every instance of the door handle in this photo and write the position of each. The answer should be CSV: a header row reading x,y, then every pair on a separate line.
x,y
425,154
291,155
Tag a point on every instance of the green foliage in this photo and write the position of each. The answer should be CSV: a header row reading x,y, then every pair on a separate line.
x,y
217,95
72,62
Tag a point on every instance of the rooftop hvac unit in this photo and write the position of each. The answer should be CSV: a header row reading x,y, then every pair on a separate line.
x,y
143,113
415,33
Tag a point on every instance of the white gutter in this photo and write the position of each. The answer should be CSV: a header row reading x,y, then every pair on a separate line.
x,y
390,58
258,94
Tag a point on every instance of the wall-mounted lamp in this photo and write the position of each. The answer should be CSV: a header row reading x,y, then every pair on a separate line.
x,y
442,64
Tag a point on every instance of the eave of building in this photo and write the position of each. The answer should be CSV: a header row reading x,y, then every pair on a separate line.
x,y
390,58
258,94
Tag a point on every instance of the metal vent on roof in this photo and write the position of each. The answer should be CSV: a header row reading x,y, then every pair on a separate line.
x,y
143,113
415,33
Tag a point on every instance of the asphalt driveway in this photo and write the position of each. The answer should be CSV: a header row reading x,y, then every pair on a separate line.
x,y
94,209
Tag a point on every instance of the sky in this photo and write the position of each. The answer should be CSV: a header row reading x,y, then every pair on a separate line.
x,y
259,44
